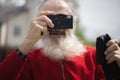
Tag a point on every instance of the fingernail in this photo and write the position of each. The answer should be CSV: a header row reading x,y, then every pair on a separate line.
x,y
108,62
105,53
107,44
52,25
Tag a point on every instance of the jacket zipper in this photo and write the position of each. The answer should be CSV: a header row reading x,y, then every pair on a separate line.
x,y
62,68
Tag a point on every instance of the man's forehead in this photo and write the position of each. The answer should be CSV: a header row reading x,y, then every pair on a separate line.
x,y
55,6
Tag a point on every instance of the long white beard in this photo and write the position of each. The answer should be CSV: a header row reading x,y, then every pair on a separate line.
x,y
67,47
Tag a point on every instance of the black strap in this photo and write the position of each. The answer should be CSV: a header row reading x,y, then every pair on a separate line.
x,y
111,71
21,55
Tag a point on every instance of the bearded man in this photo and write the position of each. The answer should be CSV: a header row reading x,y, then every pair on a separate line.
x,y
59,54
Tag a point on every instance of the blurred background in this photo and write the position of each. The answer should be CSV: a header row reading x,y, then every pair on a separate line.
x,y
100,17
96,17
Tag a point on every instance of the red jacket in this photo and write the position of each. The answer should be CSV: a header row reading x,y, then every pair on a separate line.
x,y
83,67
10,67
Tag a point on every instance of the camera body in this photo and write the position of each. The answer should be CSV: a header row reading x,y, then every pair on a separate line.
x,y
61,21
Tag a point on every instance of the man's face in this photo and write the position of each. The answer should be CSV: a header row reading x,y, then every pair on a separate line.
x,y
54,44
58,7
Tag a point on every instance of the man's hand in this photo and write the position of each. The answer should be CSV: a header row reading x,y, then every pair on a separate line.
x,y
37,29
113,52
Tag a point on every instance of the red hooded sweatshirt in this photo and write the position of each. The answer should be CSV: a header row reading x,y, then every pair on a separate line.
x,y
82,67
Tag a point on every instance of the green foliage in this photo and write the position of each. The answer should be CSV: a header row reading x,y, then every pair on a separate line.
x,y
79,32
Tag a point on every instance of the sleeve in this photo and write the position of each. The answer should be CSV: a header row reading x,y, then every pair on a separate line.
x,y
26,71
10,67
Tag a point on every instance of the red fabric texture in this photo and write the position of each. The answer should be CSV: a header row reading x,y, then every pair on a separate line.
x,y
40,67
10,67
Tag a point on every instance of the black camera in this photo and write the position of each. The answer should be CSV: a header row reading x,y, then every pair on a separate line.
x,y
61,21
112,71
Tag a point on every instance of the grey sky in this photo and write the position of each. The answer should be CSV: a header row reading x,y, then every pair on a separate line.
x,y
99,17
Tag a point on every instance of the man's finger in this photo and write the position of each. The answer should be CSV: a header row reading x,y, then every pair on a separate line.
x,y
45,19
111,48
110,42
45,13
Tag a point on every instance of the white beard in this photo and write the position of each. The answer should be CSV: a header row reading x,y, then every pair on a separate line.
x,y
66,47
